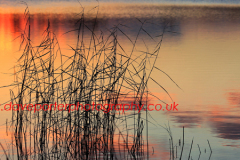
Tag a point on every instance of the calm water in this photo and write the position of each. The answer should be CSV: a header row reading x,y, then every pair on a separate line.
x,y
202,55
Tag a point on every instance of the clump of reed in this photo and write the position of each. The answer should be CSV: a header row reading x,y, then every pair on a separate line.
x,y
99,71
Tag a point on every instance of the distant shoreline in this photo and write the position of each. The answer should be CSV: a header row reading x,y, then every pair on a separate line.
x,y
74,7
129,11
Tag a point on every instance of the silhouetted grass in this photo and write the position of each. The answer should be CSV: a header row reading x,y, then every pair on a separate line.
x,y
99,71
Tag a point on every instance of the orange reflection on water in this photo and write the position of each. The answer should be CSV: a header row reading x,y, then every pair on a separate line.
x,y
6,30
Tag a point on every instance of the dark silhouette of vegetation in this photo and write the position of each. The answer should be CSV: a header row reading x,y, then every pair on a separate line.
x,y
100,71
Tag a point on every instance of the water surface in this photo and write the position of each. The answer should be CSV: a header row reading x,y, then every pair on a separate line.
x,y
200,52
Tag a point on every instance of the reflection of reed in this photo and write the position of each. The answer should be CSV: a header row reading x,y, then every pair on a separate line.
x,y
100,72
